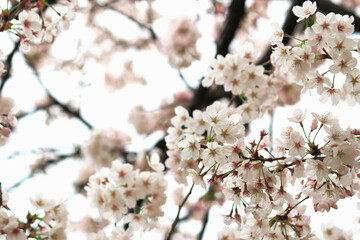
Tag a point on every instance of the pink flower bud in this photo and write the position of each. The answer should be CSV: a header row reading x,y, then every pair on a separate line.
x,y
314,124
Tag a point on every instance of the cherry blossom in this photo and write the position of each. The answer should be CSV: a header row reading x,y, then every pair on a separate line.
x,y
262,180
190,147
213,154
323,23
180,44
31,23
197,179
40,202
278,34
344,63
327,118
298,116
308,8
155,163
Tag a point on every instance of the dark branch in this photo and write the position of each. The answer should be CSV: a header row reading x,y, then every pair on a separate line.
x,y
288,27
63,107
39,108
236,12
8,65
131,18
204,96
204,224
1,200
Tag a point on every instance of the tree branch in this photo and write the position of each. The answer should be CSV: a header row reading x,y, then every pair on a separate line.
x,y
173,226
131,18
204,224
8,65
288,27
42,167
8,61
236,12
64,107
1,200
38,108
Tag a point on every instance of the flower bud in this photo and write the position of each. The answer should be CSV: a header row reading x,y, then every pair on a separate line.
x,y
314,124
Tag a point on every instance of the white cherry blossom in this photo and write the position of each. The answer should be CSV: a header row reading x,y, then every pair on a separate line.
x,y
308,8
190,147
31,23
278,34
298,116
213,154
327,118
323,24
295,144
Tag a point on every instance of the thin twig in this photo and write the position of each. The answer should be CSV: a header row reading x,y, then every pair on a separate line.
x,y
39,108
307,197
141,25
42,167
173,226
64,107
185,82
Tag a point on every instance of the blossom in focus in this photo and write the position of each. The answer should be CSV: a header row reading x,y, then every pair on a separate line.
x,y
190,147
308,8
31,23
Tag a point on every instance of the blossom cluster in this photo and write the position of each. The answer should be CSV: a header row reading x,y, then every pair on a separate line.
x,y
104,145
180,44
211,145
327,38
240,76
32,27
124,193
188,135
49,221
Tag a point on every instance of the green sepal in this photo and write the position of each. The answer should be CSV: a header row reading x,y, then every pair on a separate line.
x,y
310,21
